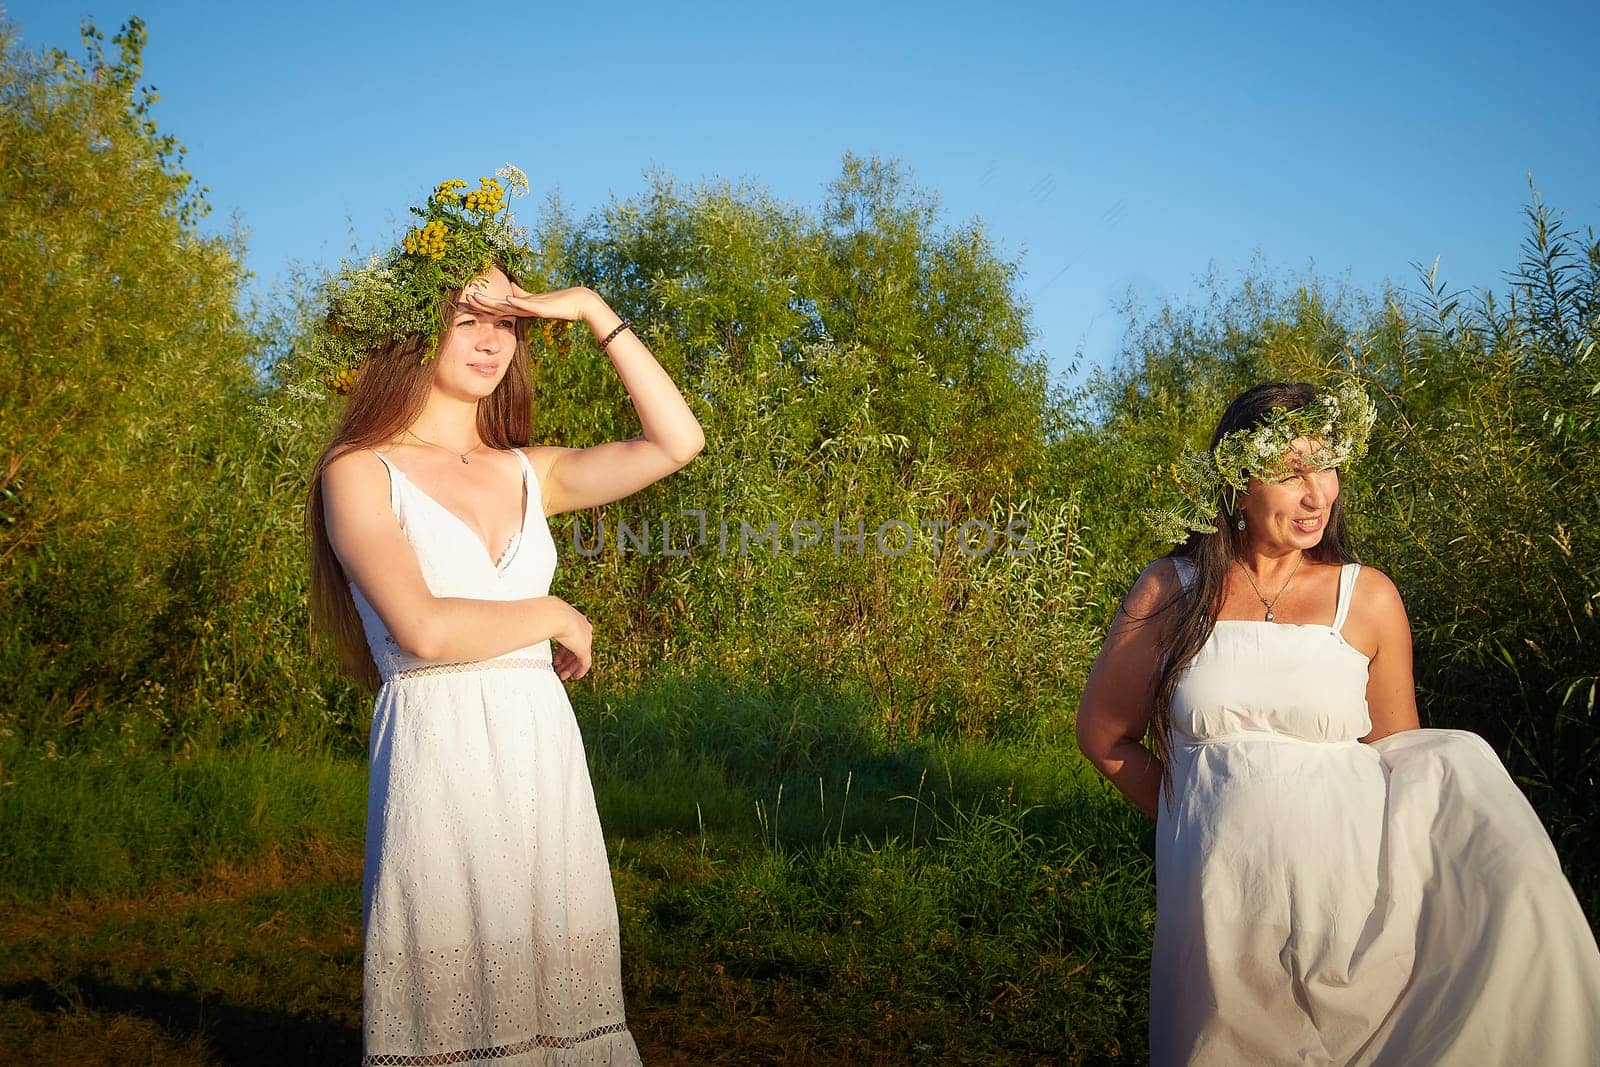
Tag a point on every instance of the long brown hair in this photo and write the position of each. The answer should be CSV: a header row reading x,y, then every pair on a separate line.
x,y
389,392
1211,554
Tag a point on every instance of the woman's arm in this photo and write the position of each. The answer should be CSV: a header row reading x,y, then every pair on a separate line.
x,y
376,556
1118,699
1383,628
576,478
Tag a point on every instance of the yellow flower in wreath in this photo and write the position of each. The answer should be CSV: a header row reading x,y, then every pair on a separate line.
x,y
428,241
341,381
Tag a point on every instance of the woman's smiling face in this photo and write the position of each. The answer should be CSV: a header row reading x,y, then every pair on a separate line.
x,y
1293,512
477,346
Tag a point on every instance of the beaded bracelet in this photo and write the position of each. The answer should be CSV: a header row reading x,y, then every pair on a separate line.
x,y
623,325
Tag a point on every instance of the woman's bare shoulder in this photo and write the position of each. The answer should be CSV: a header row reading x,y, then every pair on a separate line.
x,y
355,471
1377,621
1375,591
1158,589
1162,577
541,457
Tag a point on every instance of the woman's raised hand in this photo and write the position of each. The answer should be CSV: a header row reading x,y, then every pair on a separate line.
x,y
566,304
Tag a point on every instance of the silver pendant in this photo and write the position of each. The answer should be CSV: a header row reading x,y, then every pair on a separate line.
x,y
1269,614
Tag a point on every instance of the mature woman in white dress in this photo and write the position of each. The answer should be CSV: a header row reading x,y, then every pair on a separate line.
x,y
1334,884
489,918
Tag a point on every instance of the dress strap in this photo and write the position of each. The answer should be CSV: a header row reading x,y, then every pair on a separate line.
x,y
1347,584
522,458
1185,568
529,479
394,483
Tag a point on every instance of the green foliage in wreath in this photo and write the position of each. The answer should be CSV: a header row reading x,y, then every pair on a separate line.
x,y
1340,422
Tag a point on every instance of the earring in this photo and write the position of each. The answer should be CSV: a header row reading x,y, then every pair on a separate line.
x,y
1240,523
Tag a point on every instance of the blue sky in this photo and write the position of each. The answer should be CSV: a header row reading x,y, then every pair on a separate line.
x,y
1111,148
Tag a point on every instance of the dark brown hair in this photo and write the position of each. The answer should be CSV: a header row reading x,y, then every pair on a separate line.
x,y
390,389
1211,554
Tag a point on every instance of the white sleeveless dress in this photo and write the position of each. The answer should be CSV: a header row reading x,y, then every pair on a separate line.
x,y
1322,901
489,920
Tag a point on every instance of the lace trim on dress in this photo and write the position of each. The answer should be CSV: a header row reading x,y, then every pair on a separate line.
x,y
475,665
495,1053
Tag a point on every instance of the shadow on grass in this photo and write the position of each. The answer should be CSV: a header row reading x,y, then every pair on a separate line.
x,y
803,763
232,1033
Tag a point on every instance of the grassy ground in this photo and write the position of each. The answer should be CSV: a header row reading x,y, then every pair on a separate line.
x,y
790,890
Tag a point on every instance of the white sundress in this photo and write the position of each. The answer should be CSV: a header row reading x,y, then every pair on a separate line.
x,y
489,920
1324,901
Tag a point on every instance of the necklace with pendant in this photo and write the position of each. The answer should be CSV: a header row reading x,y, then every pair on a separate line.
x,y
462,456
1264,601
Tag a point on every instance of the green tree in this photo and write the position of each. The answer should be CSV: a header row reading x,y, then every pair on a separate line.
x,y
853,365
123,351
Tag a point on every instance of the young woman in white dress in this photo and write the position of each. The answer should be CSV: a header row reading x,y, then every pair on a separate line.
x,y
1334,884
490,925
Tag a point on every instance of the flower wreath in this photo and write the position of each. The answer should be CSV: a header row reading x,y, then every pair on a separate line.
x,y
460,232
1341,419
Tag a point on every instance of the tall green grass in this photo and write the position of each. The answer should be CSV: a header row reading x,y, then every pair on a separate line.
x,y
122,824
984,942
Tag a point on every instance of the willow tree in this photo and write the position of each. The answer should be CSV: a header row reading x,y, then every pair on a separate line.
x,y
121,344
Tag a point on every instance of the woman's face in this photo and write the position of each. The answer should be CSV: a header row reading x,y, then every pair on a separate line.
x,y
477,346
1292,513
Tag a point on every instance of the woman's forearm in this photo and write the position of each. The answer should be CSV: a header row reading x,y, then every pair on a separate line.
x,y
460,629
663,415
1135,771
